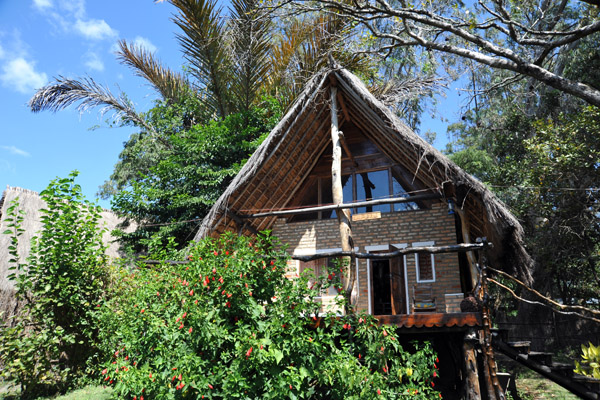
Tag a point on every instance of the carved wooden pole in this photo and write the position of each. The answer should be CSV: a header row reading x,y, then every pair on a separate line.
x,y
472,389
343,215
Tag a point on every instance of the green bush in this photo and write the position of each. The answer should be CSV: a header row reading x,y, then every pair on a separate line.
x,y
230,325
590,361
55,336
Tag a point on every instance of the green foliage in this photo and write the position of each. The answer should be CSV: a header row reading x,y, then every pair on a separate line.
x,y
547,171
590,361
60,284
229,324
180,183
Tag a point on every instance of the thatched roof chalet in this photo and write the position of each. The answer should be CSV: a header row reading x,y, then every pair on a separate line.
x,y
31,203
274,174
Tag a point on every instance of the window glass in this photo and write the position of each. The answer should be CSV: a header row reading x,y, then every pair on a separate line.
x,y
371,186
327,197
399,191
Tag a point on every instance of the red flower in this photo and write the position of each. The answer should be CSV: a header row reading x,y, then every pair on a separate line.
x,y
142,310
216,253
379,392
210,386
432,384
190,331
249,352
192,292
181,326
384,333
434,374
227,253
104,371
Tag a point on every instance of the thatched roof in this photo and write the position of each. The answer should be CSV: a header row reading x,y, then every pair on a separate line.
x,y
275,172
31,203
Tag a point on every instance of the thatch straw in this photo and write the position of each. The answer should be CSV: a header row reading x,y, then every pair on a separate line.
x,y
31,203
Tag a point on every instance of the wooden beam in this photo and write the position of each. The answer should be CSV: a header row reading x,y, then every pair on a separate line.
x,y
366,203
456,248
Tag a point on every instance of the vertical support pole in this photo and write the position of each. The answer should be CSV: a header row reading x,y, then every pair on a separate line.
x,y
472,389
490,369
343,216
467,239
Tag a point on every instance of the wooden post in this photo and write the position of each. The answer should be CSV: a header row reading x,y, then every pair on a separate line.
x,y
343,216
472,389
467,239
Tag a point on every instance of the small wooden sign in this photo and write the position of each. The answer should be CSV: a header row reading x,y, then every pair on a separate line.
x,y
366,216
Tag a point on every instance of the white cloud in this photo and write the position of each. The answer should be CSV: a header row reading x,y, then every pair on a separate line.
x,y
74,7
144,43
21,75
93,61
2,52
96,29
43,4
16,150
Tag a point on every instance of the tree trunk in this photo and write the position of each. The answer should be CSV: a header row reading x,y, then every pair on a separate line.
x,y
343,216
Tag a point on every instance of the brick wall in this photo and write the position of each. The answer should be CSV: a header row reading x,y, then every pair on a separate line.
x,y
400,228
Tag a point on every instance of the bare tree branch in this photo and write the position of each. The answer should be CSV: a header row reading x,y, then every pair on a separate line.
x,y
494,37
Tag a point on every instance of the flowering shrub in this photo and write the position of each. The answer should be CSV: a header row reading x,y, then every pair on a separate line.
x,y
54,337
230,325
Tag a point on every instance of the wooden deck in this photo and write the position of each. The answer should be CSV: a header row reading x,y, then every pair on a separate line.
x,y
433,321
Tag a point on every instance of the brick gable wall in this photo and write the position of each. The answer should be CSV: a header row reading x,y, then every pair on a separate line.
x,y
429,225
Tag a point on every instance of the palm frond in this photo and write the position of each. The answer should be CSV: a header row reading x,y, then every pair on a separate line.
x,y
65,92
171,85
202,42
249,31
393,92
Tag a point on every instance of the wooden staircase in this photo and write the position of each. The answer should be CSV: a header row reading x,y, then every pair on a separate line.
x,y
542,363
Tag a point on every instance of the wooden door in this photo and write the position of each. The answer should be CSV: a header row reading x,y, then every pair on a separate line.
x,y
397,286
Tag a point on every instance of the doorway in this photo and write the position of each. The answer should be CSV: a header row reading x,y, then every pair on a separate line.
x,y
388,286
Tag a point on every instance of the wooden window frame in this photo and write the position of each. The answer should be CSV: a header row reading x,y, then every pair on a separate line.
x,y
418,265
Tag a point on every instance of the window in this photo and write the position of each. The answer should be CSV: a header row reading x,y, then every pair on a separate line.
x,y
425,264
373,185
317,268
358,186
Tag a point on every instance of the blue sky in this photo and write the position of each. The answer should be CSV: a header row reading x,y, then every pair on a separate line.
x,y
44,39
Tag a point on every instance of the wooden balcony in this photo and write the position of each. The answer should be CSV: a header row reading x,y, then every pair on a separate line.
x,y
433,321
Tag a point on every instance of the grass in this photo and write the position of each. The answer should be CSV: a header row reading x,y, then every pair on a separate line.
x,y
531,386
10,392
